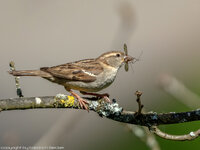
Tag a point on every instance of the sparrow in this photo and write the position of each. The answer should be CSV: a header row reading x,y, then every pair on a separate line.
x,y
87,76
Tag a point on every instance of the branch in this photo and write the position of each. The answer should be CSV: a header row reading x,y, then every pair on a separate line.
x,y
111,111
192,135
158,132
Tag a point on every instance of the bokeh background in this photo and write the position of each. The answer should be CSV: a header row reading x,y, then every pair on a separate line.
x,y
35,33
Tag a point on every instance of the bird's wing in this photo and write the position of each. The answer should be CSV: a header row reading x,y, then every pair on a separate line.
x,y
84,70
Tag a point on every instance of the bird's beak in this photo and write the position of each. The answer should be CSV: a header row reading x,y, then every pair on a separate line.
x,y
128,58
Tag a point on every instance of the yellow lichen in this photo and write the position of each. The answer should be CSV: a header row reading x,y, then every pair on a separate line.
x,y
65,100
62,101
70,101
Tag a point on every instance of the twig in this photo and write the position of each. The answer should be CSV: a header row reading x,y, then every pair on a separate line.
x,y
142,132
18,89
140,106
191,136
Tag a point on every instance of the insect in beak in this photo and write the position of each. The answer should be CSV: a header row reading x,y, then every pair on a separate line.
x,y
127,58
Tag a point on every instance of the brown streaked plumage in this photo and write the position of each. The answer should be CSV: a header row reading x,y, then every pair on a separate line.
x,y
74,71
89,75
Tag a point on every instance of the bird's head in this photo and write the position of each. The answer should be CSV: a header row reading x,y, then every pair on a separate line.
x,y
115,58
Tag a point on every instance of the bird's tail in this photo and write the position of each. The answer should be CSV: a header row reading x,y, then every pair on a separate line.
x,y
30,73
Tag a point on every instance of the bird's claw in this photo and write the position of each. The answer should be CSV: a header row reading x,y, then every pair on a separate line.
x,y
107,99
83,104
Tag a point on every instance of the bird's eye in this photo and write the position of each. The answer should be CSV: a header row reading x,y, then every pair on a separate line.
x,y
118,55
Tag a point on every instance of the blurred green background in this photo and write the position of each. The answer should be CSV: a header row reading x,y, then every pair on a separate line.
x,y
36,33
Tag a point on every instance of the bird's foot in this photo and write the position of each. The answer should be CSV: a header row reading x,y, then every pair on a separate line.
x,y
105,96
83,103
107,99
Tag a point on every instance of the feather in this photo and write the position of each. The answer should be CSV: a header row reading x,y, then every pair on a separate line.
x,y
83,70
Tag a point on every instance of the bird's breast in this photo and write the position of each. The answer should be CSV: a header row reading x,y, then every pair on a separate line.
x,y
102,81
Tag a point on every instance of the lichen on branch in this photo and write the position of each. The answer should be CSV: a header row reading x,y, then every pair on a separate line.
x,y
110,110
